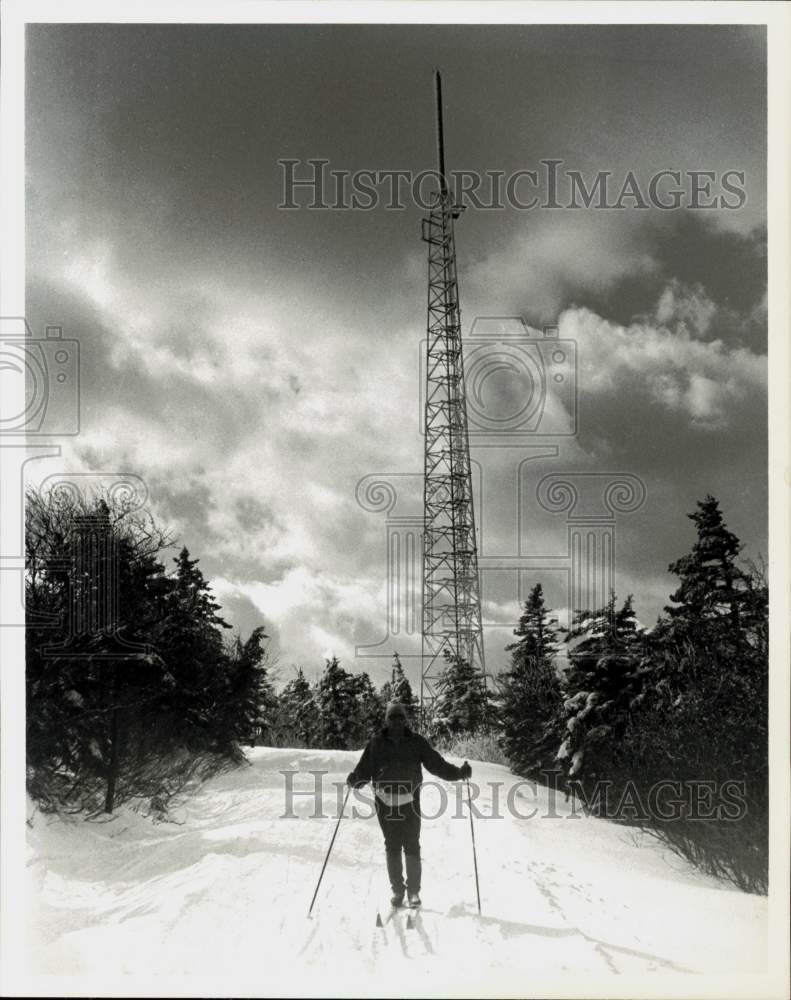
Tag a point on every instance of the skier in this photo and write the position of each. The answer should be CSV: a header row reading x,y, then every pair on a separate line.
x,y
391,761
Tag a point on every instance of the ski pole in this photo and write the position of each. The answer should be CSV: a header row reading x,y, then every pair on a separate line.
x,y
335,833
474,854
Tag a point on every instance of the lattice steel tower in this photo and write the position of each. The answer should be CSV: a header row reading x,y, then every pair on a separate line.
x,y
451,592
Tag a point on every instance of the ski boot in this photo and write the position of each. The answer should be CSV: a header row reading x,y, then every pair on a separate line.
x,y
413,900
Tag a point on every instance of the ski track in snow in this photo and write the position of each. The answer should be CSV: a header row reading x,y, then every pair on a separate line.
x,y
225,889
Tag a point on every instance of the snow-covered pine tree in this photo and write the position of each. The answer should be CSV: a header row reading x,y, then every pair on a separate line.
x,y
603,682
398,688
299,713
337,701
528,693
464,704
370,709
705,714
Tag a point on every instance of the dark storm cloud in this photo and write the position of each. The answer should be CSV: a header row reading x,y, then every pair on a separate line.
x,y
730,268
189,121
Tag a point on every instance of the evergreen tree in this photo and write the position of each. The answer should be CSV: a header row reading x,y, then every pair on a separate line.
x,y
464,704
192,593
191,641
714,636
603,683
337,701
370,709
399,689
299,713
705,712
529,699
712,589
250,706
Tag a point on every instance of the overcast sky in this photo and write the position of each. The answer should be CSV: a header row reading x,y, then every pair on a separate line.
x,y
253,364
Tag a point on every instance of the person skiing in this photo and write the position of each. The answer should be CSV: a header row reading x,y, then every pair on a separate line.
x,y
391,761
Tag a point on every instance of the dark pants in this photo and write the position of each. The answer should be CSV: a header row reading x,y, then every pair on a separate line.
x,y
401,828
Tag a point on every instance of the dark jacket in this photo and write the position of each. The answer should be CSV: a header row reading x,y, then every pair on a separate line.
x,y
396,766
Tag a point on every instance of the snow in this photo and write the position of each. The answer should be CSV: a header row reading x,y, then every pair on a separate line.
x,y
220,895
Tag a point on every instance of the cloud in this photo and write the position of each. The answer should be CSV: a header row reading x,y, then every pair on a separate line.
x,y
691,307
704,380
619,268
253,365
552,261
192,386
313,613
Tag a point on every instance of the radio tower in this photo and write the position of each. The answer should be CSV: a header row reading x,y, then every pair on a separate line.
x,y
451,595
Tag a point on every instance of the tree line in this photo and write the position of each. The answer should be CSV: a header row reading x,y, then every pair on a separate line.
x,y
669,717
160,695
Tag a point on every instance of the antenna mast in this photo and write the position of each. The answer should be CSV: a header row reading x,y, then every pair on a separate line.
x,y
452,625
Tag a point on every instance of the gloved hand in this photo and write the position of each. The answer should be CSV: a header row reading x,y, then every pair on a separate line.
x,y
466,771
352,782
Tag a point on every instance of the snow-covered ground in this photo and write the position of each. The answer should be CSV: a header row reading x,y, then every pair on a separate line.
x,y
216,901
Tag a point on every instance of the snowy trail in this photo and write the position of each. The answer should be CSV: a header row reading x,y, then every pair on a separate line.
x,y
226,889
